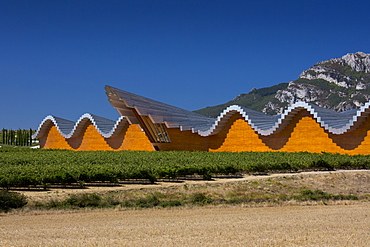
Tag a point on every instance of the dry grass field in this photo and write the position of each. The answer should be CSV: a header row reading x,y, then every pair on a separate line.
x,y
334,225
355,182
272,222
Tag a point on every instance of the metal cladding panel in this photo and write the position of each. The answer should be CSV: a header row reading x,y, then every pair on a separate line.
x,y
106,127
169,114
263,124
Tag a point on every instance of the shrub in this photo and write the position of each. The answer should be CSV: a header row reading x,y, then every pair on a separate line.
x,y
144,174
84,200
148,202
322,164
200,198
316,195
261,168
234,201
11,200
128,203
207,175
170,203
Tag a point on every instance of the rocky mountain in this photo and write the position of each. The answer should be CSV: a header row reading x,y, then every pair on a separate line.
x,y
339,84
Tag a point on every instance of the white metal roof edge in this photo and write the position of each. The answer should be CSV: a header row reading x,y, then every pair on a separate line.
x,y
75,130
290,112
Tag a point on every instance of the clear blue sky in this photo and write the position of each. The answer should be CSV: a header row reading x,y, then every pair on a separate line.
x,y
56,56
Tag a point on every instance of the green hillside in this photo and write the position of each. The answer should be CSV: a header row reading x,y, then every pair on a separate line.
x,y
256,99
339,84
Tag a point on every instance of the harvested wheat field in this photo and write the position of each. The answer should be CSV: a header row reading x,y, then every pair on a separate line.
x,y
334,225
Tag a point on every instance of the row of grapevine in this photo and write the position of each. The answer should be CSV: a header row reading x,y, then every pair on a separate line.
x,y
28,167
19,137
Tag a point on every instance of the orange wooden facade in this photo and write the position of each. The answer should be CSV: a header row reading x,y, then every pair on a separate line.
x,y
303,133
131,138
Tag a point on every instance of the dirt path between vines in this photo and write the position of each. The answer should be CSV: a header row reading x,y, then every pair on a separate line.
x,y
62,192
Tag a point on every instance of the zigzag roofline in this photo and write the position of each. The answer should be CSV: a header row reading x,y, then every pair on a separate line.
x,y
173,117
263,124
68,129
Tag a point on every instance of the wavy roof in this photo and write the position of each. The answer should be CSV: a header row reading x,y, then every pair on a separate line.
x,y
264,124
174,117
106,127
159,112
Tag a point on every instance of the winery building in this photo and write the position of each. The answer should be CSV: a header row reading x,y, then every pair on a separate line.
x,y
146,124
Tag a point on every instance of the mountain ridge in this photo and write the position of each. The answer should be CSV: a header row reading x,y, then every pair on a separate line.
x,y
339,84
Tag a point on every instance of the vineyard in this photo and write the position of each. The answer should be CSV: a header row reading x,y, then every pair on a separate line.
x,y
24,167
